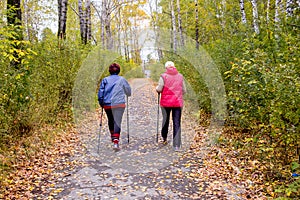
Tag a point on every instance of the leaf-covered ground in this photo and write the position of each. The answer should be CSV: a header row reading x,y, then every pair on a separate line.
x,y
73,168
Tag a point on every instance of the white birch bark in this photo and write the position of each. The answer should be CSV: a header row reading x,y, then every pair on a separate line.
x,y
268,12
223,10
180,23
26,20
119,30
220,13
174,31
243,13
289,8
102,21
255,16
278,11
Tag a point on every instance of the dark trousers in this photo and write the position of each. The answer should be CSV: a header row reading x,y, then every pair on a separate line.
x,y
176,117
114,116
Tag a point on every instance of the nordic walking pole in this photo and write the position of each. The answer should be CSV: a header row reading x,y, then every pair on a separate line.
x,y
127,119
157,127
100,128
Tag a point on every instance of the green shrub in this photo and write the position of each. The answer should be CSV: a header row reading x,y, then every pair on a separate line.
x,y
15,91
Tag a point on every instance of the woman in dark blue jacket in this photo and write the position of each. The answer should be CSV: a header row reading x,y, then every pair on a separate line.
x,y
111,97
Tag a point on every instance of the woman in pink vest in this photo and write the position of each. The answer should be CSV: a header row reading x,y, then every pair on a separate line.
x,y
172,88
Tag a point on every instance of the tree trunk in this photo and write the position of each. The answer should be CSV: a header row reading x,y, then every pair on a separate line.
x,y
278,11
255,16
103,15
174,32
106,34
81,21
26,18
196,24
88,24
243,13
62,18
222,15
180,24
289,8
268,12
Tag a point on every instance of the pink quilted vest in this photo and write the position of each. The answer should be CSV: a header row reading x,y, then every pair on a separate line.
x,y
171,95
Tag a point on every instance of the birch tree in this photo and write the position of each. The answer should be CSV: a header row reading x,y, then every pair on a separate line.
x,y
220,9
268,11
26,18
243,13
62,18
174,30
180,23
222,15
289,8
255,16
278,11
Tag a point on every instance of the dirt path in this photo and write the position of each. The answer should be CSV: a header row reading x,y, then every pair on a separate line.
x,y
142,169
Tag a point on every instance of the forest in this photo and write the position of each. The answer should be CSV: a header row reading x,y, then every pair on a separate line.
x,y
247,80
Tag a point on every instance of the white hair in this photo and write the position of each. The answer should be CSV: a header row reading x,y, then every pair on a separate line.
x,y
169,64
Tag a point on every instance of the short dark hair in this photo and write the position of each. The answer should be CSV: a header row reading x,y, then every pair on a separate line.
x,y
114,68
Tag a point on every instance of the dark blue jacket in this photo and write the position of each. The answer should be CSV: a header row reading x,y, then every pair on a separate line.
x,y
112,91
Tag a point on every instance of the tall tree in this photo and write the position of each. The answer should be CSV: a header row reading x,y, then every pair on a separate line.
x,y
85,21
222,15
81,21
174,29
197,24
255,16
278,12
180,23
243,13
89,20
289,8
268,12
62,18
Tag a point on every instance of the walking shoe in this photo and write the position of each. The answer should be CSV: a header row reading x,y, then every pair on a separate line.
x,y
116,146
176,148
165,142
